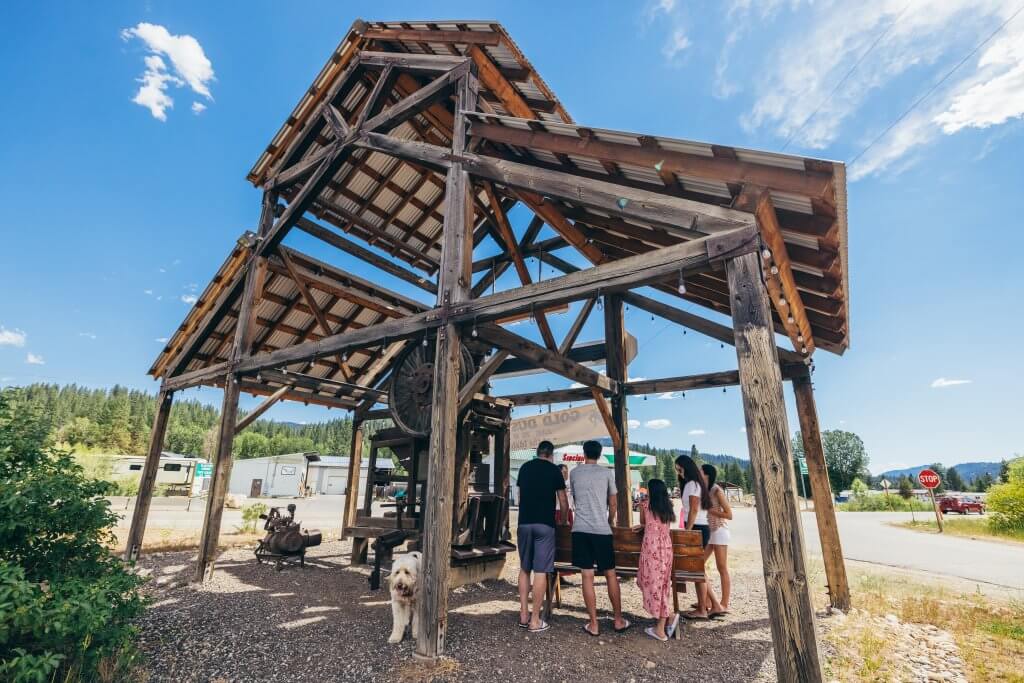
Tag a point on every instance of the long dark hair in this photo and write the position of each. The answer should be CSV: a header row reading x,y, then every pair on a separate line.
x,y
658,501
692,473
711,472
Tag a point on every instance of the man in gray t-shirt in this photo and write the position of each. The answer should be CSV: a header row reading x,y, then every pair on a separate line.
x,y
593,490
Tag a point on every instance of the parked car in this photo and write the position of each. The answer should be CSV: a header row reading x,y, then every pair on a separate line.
x,y
961,505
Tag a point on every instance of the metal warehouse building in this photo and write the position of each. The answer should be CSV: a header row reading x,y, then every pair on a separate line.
x,y
290,474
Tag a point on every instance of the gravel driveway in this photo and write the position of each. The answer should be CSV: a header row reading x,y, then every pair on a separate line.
x,y
322,623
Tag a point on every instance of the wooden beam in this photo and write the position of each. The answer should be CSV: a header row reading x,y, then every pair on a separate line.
x,y
614,276
577,326
355,457
790,609
606,416
479,379
615,199
616,367
364,254
785,297
802,182
218,483
453,285
492,79
543,358
821,491
505,230
137,531
262,408
414,35
337,122
311,302
416,102
383,80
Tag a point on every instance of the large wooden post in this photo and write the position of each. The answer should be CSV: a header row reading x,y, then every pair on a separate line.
x,y
821,491
453,287
355,461
218,482
615,368
149,472
778,516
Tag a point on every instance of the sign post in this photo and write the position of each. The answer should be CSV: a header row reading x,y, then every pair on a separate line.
x,y
885,487
930,480
802,461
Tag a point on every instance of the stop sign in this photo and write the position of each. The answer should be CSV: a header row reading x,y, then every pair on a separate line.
x,y
928,478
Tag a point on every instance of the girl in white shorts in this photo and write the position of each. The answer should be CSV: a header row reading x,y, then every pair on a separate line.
x,y
719,515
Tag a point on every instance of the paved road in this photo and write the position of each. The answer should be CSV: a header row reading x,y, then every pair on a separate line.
x,y
867,537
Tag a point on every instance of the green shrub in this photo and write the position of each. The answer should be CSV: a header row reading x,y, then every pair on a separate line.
x,y
251,515
1005,502
66,604
883,503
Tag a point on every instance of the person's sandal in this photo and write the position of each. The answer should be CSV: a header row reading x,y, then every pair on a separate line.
x,y
589,632
525,624
693,616
650,631
544,626
624,628
673,625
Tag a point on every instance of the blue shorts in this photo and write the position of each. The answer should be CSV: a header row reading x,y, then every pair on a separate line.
x,y
536,547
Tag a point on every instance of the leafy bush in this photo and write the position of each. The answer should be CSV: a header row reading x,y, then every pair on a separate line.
x,y
66,604
883,503
251,515
1006,501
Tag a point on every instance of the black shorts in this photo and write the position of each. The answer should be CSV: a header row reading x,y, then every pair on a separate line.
x,y
705,534
592,550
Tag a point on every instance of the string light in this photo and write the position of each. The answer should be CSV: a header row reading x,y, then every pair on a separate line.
x,y
766,253
800,338
789,320
782,302
803,349
775,270
682,285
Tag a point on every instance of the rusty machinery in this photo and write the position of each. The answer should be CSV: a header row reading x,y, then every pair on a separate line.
x,y
285,541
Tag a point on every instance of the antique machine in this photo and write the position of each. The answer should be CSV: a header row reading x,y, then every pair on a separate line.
x,y
285,542
480,535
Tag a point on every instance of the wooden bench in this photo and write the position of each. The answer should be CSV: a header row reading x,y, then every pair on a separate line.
x,y
687,561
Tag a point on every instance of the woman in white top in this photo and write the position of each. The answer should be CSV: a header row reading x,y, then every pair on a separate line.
x,y
696,503
718,520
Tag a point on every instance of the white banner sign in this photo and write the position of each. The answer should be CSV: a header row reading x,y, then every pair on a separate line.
x,y
559,427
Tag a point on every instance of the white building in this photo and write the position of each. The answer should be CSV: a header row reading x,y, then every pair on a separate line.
x,y
174,468
292,473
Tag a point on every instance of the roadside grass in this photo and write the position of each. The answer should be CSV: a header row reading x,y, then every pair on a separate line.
x,y
970,528
170,540
989,632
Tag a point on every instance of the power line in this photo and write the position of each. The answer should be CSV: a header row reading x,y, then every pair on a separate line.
x,y
935,87
849,73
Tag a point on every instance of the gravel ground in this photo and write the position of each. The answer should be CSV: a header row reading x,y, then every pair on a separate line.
x,y
251,623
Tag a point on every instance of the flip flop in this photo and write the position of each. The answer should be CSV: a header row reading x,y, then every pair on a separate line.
x,y
589,632
544,626
718,615
624,628
522,625
650,631
694,617
671,629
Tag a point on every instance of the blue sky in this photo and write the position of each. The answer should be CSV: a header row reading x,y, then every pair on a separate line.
x,y
113,216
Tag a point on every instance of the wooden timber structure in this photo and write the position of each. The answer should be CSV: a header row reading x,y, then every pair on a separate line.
x,y
406,153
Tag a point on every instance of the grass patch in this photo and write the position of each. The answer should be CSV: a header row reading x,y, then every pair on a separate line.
x,y
966,527
170,540
989,633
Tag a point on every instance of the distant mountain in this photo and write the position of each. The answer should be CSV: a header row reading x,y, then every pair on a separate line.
x,y
713,458
968,471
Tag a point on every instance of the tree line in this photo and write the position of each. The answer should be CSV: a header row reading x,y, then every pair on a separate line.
x,y
118,421
730,469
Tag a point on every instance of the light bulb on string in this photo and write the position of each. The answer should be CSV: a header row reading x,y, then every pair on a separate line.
x,y
782,302
682,284
790,320
766,253
775,270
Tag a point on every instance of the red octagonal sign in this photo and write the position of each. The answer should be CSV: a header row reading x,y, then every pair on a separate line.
x,y
928,478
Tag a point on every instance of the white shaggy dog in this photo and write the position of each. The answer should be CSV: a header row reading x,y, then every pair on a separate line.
x,y
404,584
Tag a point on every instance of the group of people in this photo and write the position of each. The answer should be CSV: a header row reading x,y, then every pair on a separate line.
x,y
585,499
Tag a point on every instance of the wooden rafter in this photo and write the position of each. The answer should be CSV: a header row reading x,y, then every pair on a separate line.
x,y
262,408
606,416
505,230
577,326
480,377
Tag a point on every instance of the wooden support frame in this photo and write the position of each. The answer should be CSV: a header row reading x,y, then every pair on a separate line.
x,y
453,285
480,377
355,458
606,417
821,491
262,408
790,609
616,367
133,544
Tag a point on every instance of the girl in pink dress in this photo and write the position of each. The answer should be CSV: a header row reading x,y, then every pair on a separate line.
x,y
654,575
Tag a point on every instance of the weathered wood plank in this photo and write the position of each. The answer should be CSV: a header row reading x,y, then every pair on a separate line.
x,y
790,609
262,408
615,366
544,358
606,417
355,458
133,544
421,36
821,490
577,326
480,377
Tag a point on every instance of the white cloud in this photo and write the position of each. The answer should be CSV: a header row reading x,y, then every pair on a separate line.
x,y
34,359
878,57
677,42
696,432
12,337
659,423
87,335
189,298
576,385
198,108
743,430
634,424
668,395
188,66
942,382
161,340
148,292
